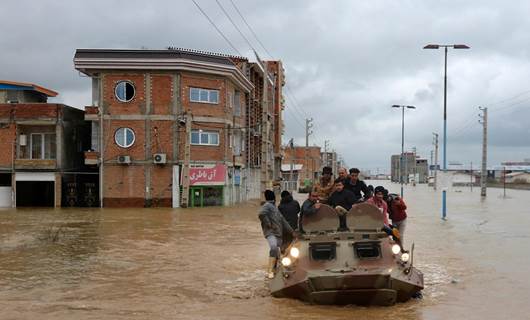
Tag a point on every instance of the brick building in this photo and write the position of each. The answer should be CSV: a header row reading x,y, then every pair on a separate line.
x,y
308,158
178,127
41,146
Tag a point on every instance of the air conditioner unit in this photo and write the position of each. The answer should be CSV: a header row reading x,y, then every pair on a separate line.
x,y
159,158
124,159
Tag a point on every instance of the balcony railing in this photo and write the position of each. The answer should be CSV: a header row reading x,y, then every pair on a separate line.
x,y
48,164
91,113
91,158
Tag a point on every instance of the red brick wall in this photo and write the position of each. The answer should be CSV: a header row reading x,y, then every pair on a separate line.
x,y
161,94
112,150
206,153
35,110
189,80
161,186
5,111
124,186
7,136
116,107
164,143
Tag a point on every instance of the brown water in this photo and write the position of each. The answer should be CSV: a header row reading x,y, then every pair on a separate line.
x,y
209,263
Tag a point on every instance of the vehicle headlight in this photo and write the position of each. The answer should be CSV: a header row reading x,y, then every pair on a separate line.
x,y
286,262
405,257
396,249
295,253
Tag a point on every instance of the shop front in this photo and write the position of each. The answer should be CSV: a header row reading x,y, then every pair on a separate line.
x,y
207,182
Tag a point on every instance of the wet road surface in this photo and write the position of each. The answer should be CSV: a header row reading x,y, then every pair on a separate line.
x,y
208,263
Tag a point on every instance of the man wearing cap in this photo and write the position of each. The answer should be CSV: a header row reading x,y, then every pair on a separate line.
x,y
325,186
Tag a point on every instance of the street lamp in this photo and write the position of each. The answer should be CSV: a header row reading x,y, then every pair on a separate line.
x,y
445,46
402,142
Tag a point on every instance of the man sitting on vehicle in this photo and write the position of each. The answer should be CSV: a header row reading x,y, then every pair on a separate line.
x,y
309,208
341,200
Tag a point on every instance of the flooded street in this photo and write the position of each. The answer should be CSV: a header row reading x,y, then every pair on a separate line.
x,y
208,263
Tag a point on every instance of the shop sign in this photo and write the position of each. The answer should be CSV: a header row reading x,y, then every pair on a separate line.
x,y
207,175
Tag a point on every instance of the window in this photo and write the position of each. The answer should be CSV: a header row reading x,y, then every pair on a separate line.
x,y
124,91
204,95
237,104
124,137
204,138
237,143
43,146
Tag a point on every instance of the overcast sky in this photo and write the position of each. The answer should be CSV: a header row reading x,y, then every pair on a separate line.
x,y
346,63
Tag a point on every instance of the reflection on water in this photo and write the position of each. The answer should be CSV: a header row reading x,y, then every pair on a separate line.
x,y
208,263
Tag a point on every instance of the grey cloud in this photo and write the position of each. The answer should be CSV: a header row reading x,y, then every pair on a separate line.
x,y
346,62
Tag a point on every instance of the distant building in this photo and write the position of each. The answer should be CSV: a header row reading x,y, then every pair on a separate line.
x,y
414,168
329,159
41,163
310,160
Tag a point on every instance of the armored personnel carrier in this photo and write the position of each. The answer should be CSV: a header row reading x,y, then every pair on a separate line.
x,y
362,265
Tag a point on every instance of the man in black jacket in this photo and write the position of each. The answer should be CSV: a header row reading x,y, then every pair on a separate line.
x,y
357,186
309,208
289,209
341,200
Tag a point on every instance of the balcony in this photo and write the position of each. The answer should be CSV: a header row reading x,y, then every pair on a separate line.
x,y
91,158
91,113
36,164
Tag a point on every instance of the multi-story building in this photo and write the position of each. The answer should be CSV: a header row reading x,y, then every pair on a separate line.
x,y
414,168
42,146
308,160
178,127
329,159
276,71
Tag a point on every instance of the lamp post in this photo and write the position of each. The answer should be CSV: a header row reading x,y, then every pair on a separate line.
x,y
445,46
402,142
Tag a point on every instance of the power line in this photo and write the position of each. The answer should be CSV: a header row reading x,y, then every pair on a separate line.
x,y
216,28
251,30
234,24
289,93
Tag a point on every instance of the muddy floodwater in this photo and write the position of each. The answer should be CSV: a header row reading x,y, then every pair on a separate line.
x,y
208,263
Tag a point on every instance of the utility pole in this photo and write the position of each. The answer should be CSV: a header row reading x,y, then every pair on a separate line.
x,y
504,181
484,171
186,165
326,160
308,132
291,146
432,163
414,163
471,175
435,141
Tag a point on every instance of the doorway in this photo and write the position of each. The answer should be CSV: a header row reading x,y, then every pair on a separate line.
x,y
35,193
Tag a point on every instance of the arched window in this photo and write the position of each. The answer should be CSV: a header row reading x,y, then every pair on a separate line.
x,y
124,91
124,137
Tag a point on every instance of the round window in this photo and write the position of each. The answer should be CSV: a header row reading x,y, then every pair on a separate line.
x,y
124,91
124,137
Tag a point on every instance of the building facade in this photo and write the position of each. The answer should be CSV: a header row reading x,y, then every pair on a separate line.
x,y
309,161
42,149
178,127
414,168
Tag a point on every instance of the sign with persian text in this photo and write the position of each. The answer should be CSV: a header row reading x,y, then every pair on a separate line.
x,y
207,175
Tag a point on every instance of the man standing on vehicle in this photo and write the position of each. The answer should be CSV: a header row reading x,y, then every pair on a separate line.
x,y
357,186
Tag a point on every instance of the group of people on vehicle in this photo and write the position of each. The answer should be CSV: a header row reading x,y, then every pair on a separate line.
x,y
340,193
